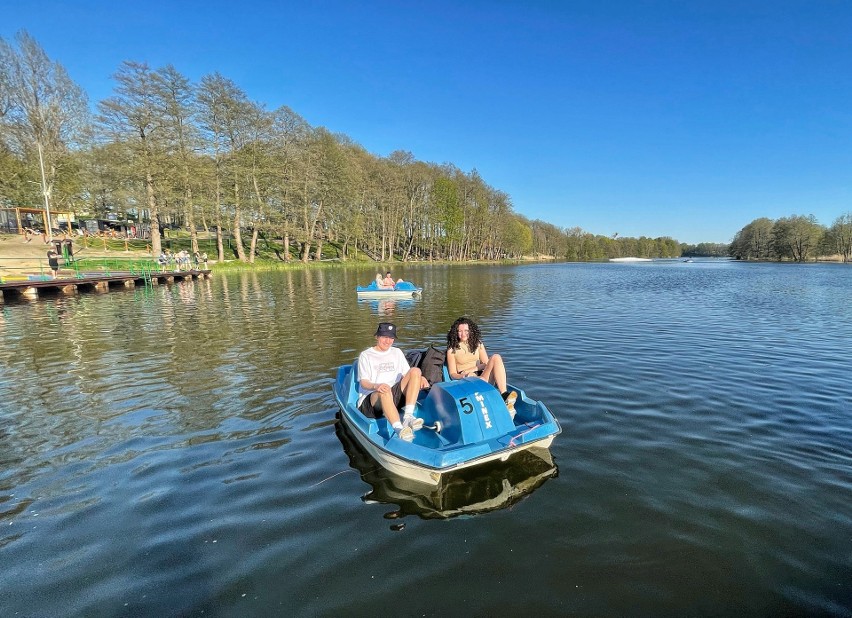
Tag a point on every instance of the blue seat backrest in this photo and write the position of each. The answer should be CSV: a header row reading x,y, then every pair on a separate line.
x,y
352,384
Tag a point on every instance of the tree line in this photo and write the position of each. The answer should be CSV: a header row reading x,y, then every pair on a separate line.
x,y
797,238
204,156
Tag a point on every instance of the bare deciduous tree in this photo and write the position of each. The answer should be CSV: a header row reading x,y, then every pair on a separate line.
x,y
43,113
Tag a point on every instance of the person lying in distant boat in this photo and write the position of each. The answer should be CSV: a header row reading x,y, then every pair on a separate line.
x,y
385,380
466,356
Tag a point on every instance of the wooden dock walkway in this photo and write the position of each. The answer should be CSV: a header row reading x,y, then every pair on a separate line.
x,y
37,285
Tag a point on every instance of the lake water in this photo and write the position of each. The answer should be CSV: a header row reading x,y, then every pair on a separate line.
x,y
174,451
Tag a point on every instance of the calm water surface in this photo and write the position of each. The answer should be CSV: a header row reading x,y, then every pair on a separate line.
x,y
175,452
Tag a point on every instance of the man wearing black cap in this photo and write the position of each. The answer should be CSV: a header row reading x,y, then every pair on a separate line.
x,y
386,380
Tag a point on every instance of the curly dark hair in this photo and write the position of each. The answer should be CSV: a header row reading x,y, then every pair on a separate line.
x,y
473,339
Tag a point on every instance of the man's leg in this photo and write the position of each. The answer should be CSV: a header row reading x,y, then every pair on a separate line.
x,y
410,385
385,403
388,403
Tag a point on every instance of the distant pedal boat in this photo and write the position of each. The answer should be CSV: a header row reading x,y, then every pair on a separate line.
x,y
466,423
404,289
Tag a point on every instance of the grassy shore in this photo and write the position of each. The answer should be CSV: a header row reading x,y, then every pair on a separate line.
x,y
20,257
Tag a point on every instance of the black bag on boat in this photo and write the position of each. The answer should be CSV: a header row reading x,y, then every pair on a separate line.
x,y
432,364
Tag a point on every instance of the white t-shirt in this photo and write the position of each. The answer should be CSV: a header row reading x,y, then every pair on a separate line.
x,y
380,368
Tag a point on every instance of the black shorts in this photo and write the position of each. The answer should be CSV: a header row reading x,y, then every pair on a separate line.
x,y
369,411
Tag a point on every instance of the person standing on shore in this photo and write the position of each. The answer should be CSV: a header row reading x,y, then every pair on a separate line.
x,y
53,261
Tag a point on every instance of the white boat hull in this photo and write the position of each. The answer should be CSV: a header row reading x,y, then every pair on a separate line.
x,y
389,294
430,476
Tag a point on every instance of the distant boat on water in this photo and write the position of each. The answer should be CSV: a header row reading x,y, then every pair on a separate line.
x,y
402,289
630,259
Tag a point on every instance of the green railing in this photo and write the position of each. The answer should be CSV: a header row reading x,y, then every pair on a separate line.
x,y
138,267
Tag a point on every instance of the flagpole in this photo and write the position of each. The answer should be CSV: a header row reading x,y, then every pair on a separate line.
x,y
49,230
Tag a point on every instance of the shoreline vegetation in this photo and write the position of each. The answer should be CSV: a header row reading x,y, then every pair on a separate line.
x,y
20,258
164,153
163,157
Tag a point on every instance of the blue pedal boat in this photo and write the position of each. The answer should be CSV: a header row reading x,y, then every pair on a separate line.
x,y
466,423
403,289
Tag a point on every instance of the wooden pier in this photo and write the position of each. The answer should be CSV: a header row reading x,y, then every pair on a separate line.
x,y
36,285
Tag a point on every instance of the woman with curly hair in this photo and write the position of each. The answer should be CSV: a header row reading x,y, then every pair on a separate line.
x,y
466,356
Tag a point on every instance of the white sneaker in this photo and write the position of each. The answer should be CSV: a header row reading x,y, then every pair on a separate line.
x,y
407,434
412,421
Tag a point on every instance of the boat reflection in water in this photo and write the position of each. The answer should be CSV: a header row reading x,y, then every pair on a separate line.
x,y
385,307
470,491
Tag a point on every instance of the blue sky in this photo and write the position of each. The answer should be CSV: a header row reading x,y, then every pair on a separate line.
x,y
658,118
